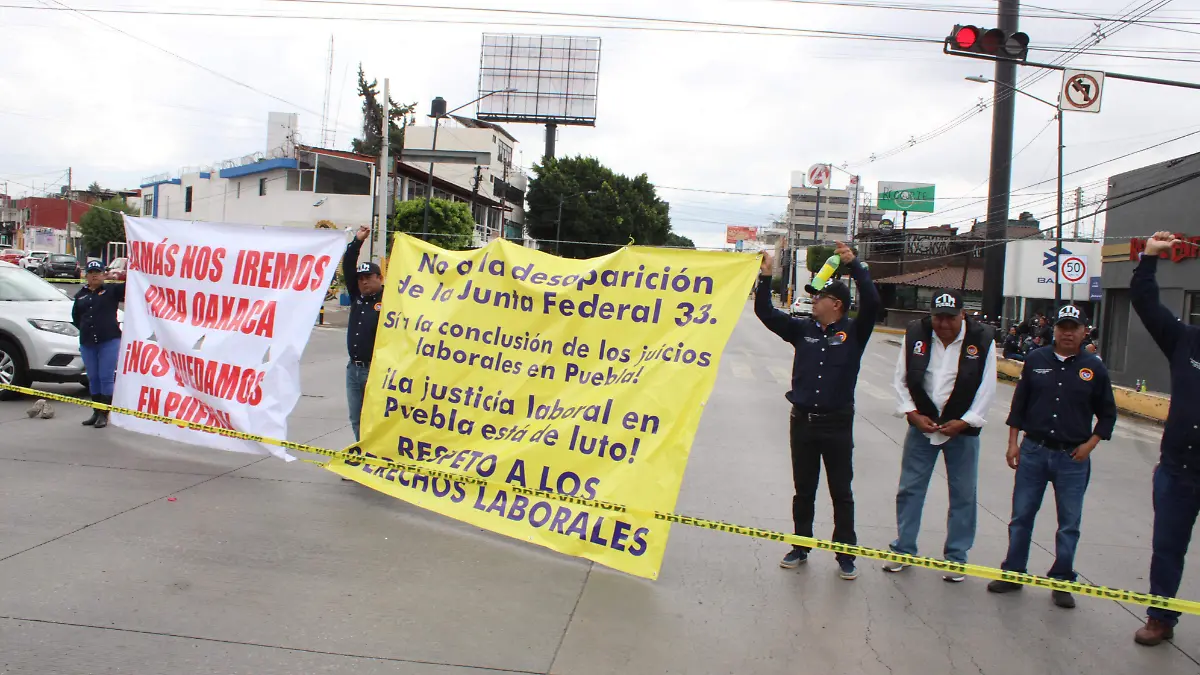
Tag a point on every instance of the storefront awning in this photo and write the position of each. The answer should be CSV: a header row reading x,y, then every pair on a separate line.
x,y
938,277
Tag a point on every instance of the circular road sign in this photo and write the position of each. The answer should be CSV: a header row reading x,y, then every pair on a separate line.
x,y
818,175
1074,269
1081,91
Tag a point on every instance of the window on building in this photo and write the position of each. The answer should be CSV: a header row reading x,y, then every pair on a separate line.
x,y
841,215
1116,329
837,200
187,199
504,153
148,205
262,187
1193,316
300,180
806,213
239,189
340,176
416,190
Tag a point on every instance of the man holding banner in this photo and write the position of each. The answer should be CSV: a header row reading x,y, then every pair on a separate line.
x,y
829,348
364,283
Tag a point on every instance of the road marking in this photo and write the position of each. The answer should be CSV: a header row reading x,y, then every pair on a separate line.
x,y
781,374
741,371
873,391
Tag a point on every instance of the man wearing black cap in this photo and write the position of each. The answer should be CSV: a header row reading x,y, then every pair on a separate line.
x,y
1062,388
364,283
829,347
945,380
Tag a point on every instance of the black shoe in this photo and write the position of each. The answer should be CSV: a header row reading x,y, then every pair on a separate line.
x,y
793,559
102,415
1003,587
95,413
1063,599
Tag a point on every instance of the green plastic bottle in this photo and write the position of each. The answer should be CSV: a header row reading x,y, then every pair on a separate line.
x,y
826,272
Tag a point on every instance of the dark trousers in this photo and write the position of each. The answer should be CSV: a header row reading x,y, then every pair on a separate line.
x,y
1176,504
1040,465
829,438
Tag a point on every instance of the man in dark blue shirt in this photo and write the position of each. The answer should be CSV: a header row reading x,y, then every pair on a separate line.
x,y
1061,389
1177,476
829,347
364,283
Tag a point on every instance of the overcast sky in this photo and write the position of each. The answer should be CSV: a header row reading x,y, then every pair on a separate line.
x,y
720,112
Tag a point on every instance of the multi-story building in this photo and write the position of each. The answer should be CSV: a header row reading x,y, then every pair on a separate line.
x,y
813,223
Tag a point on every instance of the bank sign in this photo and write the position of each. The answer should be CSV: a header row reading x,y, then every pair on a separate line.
x,y
1029,268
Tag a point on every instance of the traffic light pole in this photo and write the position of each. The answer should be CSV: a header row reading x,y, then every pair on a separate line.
x,y
1053,66
1058,230
1000,174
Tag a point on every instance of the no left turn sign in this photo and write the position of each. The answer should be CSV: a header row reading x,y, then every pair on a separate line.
x,y
1081,90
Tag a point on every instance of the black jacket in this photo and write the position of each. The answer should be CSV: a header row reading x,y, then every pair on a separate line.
x,y
825,369
95,313
1181,344
364,310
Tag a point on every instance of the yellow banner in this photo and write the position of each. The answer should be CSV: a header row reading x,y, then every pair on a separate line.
x,y
584,378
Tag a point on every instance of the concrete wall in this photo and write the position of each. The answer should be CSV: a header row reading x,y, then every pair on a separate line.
x,y
1173,208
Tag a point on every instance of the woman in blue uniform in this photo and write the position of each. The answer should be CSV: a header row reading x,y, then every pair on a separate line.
x,y
95,315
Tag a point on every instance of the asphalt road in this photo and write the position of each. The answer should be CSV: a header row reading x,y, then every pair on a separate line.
x,y
266,567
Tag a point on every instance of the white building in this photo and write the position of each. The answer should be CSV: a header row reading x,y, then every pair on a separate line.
x,y
502,180
833,223
291,184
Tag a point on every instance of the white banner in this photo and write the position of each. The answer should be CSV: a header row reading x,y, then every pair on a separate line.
x,y
216,318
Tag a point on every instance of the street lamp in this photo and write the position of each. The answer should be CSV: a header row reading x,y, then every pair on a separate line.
x,y
558,236
437,110
1058,229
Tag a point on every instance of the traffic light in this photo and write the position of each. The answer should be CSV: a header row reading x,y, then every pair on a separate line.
x,y
987,43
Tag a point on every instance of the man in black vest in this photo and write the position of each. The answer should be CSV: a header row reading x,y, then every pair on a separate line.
x,y
1177,477
1061,389
829,349
945,381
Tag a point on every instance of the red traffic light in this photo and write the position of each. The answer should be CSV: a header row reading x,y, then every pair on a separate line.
x,y
992,43
965,36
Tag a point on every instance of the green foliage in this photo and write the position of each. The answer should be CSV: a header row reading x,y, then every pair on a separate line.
x,y
371,141
100,225
817,255
618,209
450,223
679,241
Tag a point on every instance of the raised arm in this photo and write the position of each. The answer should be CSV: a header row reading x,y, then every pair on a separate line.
x,y
868,295
350,261
779,323
1163,326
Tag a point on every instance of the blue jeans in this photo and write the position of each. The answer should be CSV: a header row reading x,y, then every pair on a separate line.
x,y
356,387
961,455
1038,466
100,363
1176,504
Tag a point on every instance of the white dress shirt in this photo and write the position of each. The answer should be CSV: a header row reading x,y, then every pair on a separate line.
x,y
939,381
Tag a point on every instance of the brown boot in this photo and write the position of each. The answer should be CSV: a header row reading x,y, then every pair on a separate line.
x,y
1153,633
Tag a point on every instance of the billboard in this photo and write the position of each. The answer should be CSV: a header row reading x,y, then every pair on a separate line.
x,y
738,233
1029,268
893,196
555,77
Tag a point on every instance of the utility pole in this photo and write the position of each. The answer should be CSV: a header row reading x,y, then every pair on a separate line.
x,y
380,240
474,194
903,239
70,178
1078,203
1058,230
1000,175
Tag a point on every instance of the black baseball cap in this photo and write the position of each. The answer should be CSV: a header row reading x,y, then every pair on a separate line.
x,y
94,266
1071,313
946,302
369,268
834,289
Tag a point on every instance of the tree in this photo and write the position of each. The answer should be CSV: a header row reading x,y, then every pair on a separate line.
x,y
102,224
450,223
370,142
618,209
94,189
679,241
817,255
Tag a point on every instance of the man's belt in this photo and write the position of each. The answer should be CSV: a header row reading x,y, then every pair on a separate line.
x,y
812,414
361,364
1058,446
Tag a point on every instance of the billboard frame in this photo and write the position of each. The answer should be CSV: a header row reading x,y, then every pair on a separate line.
x,y
541,72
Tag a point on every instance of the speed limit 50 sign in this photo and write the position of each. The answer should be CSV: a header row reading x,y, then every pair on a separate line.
x,y
1074,268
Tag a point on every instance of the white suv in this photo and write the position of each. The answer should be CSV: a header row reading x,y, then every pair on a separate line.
x,y
34,260
37,341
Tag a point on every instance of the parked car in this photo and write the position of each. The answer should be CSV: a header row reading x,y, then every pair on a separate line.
x,y
119,267
802,306
60,265
12,256
34,259
37,341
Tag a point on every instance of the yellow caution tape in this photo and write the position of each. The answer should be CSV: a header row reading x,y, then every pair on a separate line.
x,y
382,465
